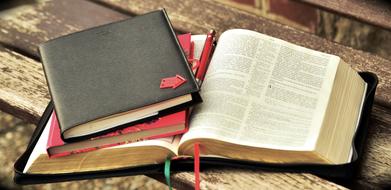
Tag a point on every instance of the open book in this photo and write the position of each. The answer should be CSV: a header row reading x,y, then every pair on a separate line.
x,y
265,100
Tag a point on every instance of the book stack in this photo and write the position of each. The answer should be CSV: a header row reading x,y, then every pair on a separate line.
x,y
267,103
156,127
110,85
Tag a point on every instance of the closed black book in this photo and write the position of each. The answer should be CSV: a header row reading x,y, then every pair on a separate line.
x,y
110,75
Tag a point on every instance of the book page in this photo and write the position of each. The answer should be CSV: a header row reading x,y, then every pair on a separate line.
x,y
263,92
199,41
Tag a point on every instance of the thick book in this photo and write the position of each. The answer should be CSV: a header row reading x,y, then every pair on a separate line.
x,y
267,104
165,126
107,77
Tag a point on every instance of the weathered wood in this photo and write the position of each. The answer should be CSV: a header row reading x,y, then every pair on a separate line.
x,y
375,12
376,163
23,89
26,26
201,16
230,178
182,20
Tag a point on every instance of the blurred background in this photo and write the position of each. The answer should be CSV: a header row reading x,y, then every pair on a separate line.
x,y
15,133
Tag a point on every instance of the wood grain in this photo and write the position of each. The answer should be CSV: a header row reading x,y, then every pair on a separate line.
x,y
375,12
23,89
25,35
376,163
230,178
26,26
201,16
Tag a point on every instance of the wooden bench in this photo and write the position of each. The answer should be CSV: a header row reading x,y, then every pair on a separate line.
x,y
23,90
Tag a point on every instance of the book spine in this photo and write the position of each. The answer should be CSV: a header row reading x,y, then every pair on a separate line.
x,y
54,133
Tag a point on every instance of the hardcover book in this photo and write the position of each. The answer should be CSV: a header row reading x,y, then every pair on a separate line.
x,y
109,77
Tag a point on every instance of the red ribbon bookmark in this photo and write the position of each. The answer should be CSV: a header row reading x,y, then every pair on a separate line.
x,y
197,166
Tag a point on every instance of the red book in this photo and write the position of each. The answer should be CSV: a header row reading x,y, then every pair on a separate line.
x,y
185,41
165,126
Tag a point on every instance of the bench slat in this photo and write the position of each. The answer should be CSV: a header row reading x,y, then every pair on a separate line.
x,y
25,37
376,163
24,27
375,12
230,178
23,89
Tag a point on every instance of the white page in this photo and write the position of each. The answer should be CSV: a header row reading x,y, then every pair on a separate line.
x,y
263,92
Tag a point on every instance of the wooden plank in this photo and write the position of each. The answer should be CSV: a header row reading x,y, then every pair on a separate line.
x,y
375,12
23,89
201,16
232,178
26,26
376,163
46,7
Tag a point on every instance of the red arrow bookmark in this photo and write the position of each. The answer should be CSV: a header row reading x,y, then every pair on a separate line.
x,y
172,82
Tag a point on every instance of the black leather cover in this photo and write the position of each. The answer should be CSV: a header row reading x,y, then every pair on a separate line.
x,y
337,173
114,68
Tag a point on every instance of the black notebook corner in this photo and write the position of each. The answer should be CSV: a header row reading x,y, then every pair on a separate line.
x,y
114,68
335,173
